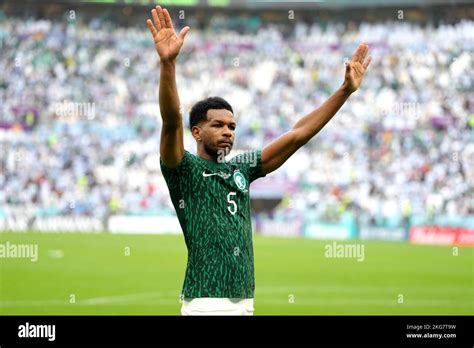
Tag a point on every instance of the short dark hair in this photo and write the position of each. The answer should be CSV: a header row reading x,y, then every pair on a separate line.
x,y
199,110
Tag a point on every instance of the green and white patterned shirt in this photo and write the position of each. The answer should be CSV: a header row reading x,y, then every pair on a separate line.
x,y
212,203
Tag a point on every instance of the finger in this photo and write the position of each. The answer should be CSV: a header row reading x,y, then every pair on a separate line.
x,y
348,67
367,62
156,20
183,32
358,53
168,21
152,27
161,16
366,49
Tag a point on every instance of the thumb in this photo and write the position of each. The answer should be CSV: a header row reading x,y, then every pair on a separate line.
x,y
348,66
183,32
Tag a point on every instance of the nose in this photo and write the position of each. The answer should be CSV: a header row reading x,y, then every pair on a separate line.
x,y
228,132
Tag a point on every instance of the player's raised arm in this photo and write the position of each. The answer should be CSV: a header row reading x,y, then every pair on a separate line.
x,y
168,45
278,151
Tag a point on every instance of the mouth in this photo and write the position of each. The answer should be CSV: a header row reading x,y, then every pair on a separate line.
x,y
228,143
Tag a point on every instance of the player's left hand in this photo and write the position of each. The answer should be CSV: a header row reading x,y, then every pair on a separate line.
x,y
355,68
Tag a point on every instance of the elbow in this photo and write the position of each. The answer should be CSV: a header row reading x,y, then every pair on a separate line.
x,y
300,138
172,125
172,119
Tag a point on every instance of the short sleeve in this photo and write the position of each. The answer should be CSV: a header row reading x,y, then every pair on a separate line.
x,y
250,163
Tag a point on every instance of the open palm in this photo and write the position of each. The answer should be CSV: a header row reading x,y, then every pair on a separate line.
x,y
167,43
356,67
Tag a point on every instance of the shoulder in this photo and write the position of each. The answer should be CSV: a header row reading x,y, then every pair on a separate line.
x,y
186,163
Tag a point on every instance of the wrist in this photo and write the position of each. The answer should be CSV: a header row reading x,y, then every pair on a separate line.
x,y
346,90
168,62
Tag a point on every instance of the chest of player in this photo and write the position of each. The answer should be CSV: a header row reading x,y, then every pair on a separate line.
x,y
224,189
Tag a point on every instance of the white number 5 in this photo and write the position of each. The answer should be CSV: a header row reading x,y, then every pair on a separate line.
x,y
229,200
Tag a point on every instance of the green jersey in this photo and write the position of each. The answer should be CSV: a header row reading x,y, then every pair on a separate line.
x,y
212,203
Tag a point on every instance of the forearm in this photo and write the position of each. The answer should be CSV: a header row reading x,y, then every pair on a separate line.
x,y
308,126
168,95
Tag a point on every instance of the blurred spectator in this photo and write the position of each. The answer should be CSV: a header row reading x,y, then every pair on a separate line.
x,y
403,144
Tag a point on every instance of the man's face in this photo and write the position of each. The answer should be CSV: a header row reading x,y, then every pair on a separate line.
x,y
218,132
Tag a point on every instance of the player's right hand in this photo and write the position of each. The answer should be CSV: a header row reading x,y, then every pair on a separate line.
x,y
167,44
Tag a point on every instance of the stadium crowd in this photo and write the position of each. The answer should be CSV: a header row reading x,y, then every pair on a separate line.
x,y
401,145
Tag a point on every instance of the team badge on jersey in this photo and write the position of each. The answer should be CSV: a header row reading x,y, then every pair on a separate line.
x,y
240,181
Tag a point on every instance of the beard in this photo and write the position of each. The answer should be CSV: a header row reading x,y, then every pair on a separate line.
x,y
219,153
210,149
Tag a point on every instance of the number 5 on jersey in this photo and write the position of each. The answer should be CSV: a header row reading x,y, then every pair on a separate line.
x,y
230,201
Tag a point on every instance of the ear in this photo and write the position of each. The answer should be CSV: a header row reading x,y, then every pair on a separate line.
x,y
196,132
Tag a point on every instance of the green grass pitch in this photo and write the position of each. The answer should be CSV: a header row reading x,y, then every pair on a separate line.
x,y
293,277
